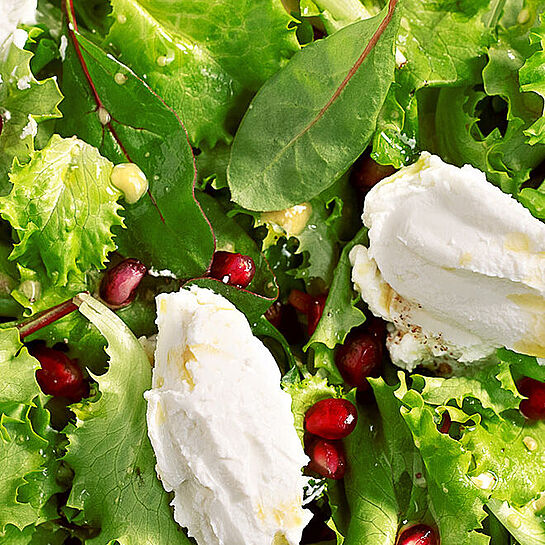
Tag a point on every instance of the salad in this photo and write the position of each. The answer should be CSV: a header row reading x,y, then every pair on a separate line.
x,y
203,340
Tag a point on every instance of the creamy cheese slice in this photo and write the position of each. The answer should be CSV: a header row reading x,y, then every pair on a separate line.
x,y
454,263
221,427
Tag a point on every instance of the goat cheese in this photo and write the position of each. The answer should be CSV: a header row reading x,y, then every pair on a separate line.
x,y
13,14
454,263
221,427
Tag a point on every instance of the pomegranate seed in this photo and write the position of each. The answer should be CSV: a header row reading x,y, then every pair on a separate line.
x,y
419,534
359,358
313,307
119,284
234,269
367,173
327,458
274,314
301,301
331,418
445,423
315,313
533,407
59,376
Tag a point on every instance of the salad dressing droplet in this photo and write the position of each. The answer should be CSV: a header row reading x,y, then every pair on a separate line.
x,y
130,180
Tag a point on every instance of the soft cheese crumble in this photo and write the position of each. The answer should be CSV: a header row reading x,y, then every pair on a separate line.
x,y
221,427
456,265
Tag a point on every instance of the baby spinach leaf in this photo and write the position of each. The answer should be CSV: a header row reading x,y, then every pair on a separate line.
x,y
111,108
308,124
206,59
109,450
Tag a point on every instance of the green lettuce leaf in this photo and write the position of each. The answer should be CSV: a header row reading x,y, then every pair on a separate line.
x,y
486,124
307,125
109,451
394,478
492,385
532,79
28,445
204,59
63,207
166,228
24,102
340,313
523,523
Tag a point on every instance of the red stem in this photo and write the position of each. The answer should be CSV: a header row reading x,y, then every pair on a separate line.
x,y
46,318
68,8
368,48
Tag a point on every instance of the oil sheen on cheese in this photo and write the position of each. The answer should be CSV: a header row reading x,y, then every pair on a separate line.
x,y
222,428
456,265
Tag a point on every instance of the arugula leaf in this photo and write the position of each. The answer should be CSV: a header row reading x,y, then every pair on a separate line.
x,y
307,125
166,228
114,466
63,207
263,290
24,102
205,59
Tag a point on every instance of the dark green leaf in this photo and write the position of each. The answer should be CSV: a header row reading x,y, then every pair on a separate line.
x,y
308,124
204,58
165,228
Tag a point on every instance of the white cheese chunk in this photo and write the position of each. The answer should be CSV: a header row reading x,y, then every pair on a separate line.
x,y
13,13
221,427
454,263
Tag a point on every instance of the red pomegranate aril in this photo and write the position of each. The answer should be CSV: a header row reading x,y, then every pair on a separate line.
x,y
419,534
367,173
327,458
300,301
446,422
59,375
119,284
331,418
359,358
233,269
533,407
315,312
